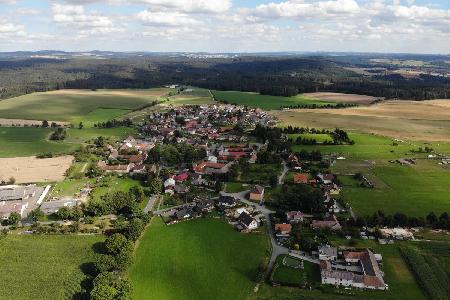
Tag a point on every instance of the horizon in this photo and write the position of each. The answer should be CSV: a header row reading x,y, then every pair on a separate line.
x,y
227,26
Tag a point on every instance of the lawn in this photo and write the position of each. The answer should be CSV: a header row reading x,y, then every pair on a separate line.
x,y
236,187
413,190
287,271
15,141
266,102
44,267
69,187
199,259
76,105
260,173
114,184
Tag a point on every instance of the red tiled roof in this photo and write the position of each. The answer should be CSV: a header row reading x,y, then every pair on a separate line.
x,y
301,178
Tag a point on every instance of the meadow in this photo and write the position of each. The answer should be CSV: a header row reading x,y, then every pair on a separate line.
x,y
414,190
320,137
266,102
29,141
44,267
77,105
198,259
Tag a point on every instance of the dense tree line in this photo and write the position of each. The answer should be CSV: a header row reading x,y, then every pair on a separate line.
x,y
284,76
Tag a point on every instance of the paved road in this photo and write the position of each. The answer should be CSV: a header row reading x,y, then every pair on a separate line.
x,y
301,255
150,203
283,174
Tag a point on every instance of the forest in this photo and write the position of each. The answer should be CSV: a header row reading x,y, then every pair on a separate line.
x,y
272,75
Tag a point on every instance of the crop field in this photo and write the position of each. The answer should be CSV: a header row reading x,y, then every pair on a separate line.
x,y
341,98
75,105
413,190
418,121
198,259
29,141
265,101
101,115
31,169
44,267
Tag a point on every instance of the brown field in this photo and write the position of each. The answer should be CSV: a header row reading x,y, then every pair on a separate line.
x,y
32,169
26,123
125,93
342,98
424,121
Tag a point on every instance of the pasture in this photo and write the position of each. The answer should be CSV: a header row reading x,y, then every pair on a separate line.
x,y
44,267
414,190
320,137
198,259
408,120
76,105
266,102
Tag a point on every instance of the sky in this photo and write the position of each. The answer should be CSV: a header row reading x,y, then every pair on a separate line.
x,y
406,26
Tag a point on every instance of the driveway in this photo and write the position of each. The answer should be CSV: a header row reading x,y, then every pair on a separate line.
x,y
150,203
283,174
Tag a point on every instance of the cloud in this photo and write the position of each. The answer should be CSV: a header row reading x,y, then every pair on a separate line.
x,y
11,30
150,18
10,2
190,6
74,16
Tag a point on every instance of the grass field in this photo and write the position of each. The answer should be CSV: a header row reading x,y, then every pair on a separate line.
x,y
414,190
44,267
266,102
197,259
100,115
29,141
236,187
367,146
114,184
287,271
260,173
17,141
77,105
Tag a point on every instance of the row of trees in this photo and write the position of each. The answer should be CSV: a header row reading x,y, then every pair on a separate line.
x,y
173,155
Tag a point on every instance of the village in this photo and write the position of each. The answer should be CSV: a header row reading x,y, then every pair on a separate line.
x,y
192,155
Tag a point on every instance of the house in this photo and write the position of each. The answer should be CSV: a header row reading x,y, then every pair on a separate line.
x,y
208,167
182,177
301,178
180,189
257,193
16,192
227,201
51,207
327,253
169,182
330,222
295,216
293,162
326,178
7,208
140,169
371,277
283,229
247,221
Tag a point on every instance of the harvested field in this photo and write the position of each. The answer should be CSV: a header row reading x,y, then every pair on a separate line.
x,y
414,120
26,123
32,169
342,98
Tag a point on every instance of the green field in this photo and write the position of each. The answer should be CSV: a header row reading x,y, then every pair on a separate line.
x,y
113,184
198,259
77,105
236,187
260,173
367,146
99,115
287,271
266,102
414,190
28,141
44,267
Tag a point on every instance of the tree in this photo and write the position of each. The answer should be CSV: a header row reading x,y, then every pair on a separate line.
x,y
45,123
134,229
80,126
93,171
431,218
13,219
109,286
64,213
117,243
35,214
104,263
137,193
11,180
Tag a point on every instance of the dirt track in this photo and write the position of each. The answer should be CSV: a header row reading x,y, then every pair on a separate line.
x,y
32,169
